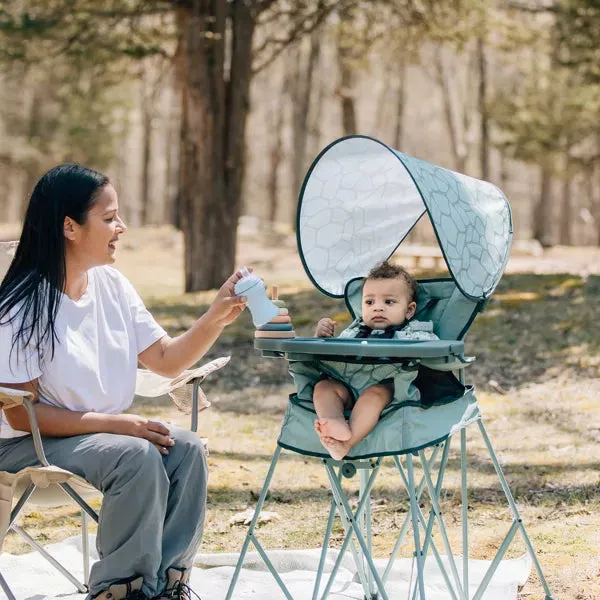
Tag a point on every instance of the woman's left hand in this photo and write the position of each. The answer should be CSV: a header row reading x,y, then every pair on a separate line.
x,y
227,307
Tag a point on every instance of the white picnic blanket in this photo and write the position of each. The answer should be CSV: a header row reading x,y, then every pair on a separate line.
x,y
32,578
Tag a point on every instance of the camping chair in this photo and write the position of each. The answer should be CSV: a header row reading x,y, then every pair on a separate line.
x,y
358,202
49,486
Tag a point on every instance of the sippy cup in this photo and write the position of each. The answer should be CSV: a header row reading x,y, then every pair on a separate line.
x,y
251,286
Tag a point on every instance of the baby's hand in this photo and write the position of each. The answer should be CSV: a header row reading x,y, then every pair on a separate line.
x,y
325,328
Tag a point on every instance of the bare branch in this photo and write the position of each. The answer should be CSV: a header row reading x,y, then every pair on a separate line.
x,y
305,25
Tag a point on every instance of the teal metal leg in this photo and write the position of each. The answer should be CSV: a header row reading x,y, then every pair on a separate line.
x,y
428,525
326,538
465,508
433,494
407,520
415,520
357,532
365,519
250,537
338,493
517,524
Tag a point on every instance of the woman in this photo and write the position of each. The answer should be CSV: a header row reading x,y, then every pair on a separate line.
x,y
72,330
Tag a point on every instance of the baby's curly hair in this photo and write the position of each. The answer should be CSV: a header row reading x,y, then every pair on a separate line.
x,y
385,270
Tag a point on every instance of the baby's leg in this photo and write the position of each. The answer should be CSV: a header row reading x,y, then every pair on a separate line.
x,y
330,397
363,419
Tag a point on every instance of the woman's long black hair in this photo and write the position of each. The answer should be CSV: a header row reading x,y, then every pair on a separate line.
x,y
31,291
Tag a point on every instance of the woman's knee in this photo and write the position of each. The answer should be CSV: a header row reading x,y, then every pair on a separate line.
x,y
135,459
189,445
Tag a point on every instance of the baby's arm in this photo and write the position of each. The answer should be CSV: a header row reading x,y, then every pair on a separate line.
x,y
325,328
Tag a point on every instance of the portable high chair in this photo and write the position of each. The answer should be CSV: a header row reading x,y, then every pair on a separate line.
x,y
359,201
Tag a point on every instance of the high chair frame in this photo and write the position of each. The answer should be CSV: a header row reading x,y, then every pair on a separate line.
x,y
358,526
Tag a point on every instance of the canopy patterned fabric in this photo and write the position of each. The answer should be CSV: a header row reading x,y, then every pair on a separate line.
x,y
361,198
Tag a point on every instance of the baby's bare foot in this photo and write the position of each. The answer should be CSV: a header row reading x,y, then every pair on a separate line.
x,y
338,429
337,449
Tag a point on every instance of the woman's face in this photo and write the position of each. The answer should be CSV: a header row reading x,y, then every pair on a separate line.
x,y
94,243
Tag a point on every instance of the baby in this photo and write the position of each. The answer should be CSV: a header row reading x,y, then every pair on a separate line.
x,y
388,303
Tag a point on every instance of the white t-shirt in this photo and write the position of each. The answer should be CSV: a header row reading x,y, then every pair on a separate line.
x,y
95,360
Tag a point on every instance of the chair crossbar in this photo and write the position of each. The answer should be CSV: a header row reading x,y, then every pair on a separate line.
x,y
428,525
407,520
330,518
365,500
21,503
437,513
80,501
85,511
82,588
354,526
496,561
6,589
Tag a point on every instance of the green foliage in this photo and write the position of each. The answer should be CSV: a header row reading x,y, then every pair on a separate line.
x,y
578,28
73,63
543,108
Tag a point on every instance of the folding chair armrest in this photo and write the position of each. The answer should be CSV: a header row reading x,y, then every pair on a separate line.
x,y
11,398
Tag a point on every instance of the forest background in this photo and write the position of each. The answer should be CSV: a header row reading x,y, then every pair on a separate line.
x,y
205,112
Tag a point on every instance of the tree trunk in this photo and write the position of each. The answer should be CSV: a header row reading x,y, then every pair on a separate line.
x,y
400,105
542,213
484,133
457,143
302,92
215,104
566,208
276,153
146,152
347,78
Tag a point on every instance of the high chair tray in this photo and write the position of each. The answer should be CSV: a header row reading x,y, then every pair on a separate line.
x,y
302,348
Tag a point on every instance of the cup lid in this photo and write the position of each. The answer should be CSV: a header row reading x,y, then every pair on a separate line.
x,y
247,282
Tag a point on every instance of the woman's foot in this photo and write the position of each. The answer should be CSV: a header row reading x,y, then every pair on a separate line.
x,y
338,429
337,449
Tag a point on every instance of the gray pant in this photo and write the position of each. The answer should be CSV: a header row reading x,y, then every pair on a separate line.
x,y
153,507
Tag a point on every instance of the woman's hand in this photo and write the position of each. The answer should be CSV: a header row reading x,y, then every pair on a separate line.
x,y
325,328
227,307
140,427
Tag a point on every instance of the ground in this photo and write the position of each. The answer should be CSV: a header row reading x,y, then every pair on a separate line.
x,y
538,361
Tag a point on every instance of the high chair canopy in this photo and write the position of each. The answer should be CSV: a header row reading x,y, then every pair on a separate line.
x,y
361,198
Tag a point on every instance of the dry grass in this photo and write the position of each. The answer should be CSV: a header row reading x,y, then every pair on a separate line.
x,y
538,367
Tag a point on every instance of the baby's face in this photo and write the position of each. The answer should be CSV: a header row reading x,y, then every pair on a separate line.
x,y
386,302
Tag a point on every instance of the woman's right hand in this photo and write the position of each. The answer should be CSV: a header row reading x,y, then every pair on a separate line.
x,y
153,431
325,328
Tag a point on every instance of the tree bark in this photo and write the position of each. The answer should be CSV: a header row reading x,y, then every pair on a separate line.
x,y
215,104
347,78
276,153
566,208
484,131
147,117
458,146
301,95
400,105
542,214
